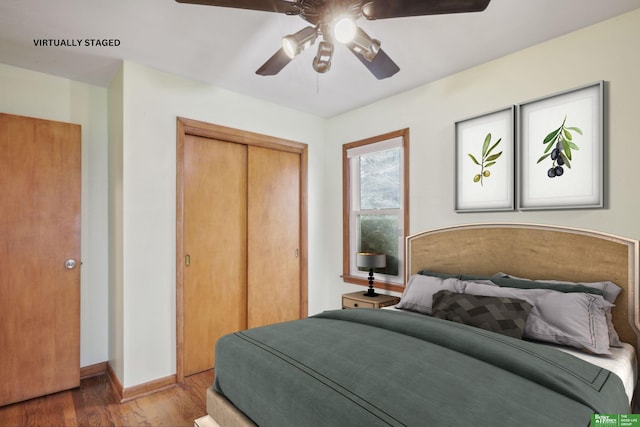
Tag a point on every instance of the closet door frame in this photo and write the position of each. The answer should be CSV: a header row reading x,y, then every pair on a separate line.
x,y
186,127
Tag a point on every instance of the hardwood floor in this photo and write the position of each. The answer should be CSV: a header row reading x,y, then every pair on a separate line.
x,y
95,404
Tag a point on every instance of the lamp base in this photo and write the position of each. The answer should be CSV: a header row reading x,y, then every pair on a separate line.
x,y
370,292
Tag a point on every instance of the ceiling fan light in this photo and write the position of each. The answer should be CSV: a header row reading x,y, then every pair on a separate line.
x,y
293,44
365,45
322,61
344,29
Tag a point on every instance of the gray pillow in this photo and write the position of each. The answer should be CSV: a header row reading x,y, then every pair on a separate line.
x,y
609,290
506,316
573,319
418,295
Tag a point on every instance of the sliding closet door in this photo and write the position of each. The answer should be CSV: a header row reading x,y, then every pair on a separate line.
x,y
215,246
241,236
274,236
40,182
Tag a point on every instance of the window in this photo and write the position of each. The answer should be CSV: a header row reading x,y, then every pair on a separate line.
x,y
376,206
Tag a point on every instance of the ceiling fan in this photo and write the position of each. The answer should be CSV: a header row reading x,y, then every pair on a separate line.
x,y
334,21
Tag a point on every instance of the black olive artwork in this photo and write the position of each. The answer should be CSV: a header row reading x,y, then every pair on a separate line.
x,y
559,145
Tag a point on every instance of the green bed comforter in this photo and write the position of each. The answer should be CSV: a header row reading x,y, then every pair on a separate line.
x,y
364,367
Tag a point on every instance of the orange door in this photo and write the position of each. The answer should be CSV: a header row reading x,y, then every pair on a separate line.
x,y
40,184
215,246
274,237
241,215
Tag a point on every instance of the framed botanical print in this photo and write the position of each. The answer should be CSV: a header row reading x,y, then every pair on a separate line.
x,y
561,150
484,171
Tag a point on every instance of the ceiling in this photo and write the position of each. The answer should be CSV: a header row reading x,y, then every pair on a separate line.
x,y
224,47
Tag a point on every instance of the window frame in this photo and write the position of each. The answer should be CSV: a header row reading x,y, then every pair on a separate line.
x,y
349,230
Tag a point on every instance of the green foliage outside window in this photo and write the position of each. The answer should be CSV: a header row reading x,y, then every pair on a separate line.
x,y
379,234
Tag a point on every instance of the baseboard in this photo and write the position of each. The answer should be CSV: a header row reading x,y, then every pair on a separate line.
x,y
140,390
150,387
115,382
93,370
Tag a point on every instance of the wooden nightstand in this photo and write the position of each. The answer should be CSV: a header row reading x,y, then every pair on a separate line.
x,y
358,300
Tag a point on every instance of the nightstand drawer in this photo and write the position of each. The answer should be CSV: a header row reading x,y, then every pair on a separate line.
x,y
349,303
360,300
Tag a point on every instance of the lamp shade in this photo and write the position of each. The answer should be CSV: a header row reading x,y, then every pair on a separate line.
x,y
371,260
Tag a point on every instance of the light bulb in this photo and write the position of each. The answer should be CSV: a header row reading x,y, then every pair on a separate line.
x,y
344,30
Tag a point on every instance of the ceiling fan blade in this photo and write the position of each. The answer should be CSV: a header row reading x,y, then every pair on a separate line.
x,y
381,67
382,9
275,64
278,6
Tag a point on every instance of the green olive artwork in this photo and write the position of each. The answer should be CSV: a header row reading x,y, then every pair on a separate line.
x,y
559,145
486,160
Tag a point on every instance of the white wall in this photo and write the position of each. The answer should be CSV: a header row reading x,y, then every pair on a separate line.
x,y
116,220
151,102
128,198
606,51
33,94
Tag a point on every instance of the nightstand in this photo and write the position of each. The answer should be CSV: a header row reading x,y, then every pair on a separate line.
x,y
358,300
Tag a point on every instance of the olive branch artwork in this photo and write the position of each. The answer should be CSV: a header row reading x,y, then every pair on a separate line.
x,y
559,144
487,159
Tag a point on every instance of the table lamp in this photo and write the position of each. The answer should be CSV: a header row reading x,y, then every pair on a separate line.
x,y
370,260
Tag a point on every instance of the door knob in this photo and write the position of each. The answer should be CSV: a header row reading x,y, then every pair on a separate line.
x,y
70,264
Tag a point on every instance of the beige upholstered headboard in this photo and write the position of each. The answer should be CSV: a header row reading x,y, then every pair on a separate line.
x,y
536,252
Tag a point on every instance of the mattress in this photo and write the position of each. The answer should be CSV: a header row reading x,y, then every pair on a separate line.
x,y
621,362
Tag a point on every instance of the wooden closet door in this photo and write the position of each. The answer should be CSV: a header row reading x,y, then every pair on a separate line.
x,y
40,180
215,244
274,236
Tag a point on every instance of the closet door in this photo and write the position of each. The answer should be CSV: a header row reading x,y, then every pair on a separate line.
x,y
40,181
215,246
274,236
241,236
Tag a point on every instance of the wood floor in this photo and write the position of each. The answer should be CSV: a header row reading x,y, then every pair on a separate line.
x,y
95,404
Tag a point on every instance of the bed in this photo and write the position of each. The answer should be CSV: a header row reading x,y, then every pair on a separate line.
x,y
425,362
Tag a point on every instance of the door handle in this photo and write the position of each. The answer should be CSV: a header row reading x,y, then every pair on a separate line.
x,y
187,260
70,264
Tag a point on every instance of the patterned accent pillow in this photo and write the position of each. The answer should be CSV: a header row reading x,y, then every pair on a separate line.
x,y
503,315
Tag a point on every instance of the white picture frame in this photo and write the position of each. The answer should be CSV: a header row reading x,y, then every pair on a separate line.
x,y
484,166
572,123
